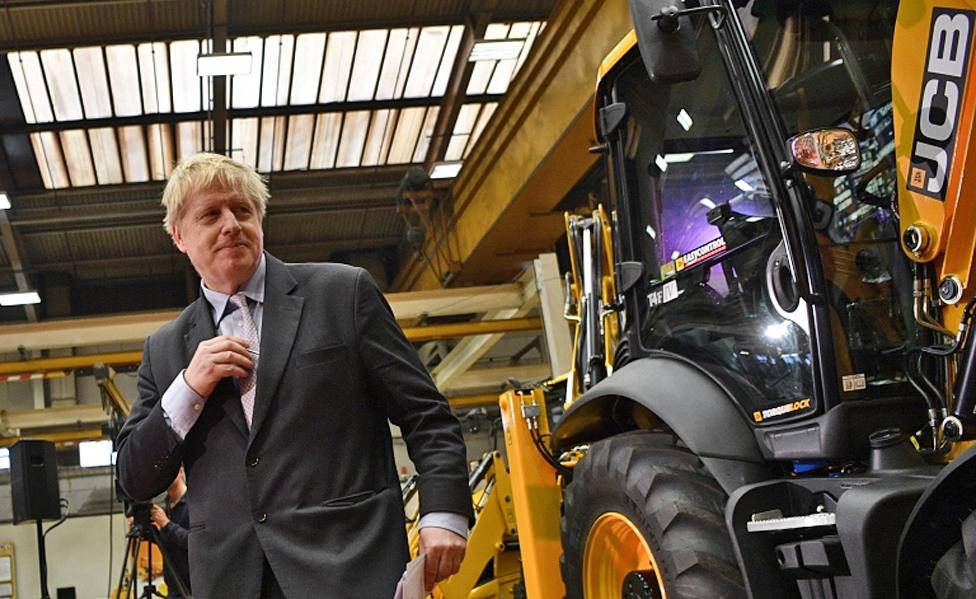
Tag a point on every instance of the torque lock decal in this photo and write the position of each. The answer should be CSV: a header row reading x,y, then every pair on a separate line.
x,y
787,408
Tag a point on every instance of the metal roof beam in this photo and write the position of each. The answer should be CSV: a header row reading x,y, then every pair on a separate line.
x,y
134,328
456,93
234,113
67,23
532,153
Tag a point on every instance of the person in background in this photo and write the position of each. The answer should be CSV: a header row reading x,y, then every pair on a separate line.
x,y
275,390
174,524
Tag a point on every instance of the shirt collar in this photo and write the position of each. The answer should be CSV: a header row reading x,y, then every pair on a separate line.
x,y
253,289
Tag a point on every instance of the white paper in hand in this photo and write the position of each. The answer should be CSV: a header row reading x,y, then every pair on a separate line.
x,y
411,585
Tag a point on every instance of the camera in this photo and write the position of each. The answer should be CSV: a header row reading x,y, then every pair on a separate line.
x,y
139,512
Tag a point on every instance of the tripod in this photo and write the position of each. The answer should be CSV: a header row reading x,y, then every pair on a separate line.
x,y
144,531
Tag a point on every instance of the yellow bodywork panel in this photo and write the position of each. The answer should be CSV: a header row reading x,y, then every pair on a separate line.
x,y
536,492
491,541
934,104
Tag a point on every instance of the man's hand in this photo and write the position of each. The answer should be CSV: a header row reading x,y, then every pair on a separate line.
x,y
216,359
158,517
444,550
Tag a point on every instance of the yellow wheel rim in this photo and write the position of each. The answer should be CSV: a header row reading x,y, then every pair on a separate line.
x,y
614,548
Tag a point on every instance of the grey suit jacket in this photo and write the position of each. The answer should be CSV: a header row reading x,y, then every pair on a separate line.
x,y
312,487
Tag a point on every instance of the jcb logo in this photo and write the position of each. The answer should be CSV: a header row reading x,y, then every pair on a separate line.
x,y
942,91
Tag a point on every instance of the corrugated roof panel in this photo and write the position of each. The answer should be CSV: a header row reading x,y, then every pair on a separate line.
x,y
391,74
186,83
337,66
366,66
309,51
189,139
244,140
276,81
423,142
300,130
426,60
447,61
93,80
302,228
353,139
382,222
105,151
487,110
123,74
405,137
246,89
161,154
78,157
29,81
154,75
47,151
271,148
380,134
326,142
59,72
133,149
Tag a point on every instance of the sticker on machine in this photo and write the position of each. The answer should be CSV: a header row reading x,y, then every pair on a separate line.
x,y
700,254
853,382
787,408
668,292
941,103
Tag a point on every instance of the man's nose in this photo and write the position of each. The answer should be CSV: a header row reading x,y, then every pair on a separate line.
x,y
228,220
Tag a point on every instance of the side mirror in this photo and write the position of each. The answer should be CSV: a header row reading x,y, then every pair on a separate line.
x,y
667,45
829,151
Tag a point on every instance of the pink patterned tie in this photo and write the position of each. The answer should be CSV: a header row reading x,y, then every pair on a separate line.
x,y
250,333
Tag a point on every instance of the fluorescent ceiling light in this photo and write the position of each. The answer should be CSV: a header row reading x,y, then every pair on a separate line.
x,y
651,232
679,157
684,119
20,298
223,63
495,50
445,170
707,203
661,162
4,201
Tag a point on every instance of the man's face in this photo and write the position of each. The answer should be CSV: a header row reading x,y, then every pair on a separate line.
x,y
220,231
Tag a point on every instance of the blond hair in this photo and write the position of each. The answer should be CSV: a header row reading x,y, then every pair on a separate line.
x,y
205,170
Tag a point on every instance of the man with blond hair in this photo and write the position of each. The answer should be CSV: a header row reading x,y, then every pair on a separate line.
x,y
275,389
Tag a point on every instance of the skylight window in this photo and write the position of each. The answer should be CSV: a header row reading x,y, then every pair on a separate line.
x,y
334,74
277,69
186,83
92,79
310,48
246,89
337,67
59,73
366,66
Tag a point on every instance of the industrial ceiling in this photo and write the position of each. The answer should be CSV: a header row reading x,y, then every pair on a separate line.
x,y
99,99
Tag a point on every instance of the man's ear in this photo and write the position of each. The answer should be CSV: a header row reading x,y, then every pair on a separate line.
x,y
178,238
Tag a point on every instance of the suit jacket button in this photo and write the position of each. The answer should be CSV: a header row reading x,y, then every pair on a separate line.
x,y
253,461
260,517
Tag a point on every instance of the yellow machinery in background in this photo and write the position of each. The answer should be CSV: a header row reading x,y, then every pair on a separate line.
x,y
773,365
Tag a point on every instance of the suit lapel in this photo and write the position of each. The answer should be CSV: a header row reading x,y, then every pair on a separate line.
x,y
202,328
282,313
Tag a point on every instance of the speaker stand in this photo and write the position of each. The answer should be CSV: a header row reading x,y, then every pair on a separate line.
x,y
42,561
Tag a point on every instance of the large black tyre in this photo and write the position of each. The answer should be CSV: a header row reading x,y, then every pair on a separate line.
x,y
646,488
